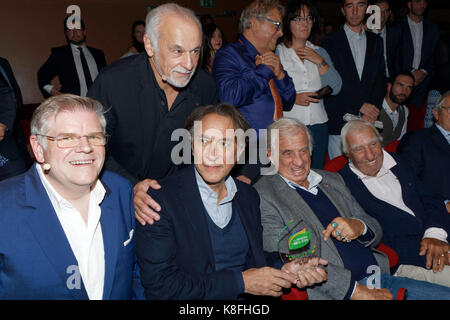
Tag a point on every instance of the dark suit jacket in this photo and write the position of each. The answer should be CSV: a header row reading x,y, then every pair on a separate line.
x,y
175,254
372,86
401,231
392,49
13,146
406,55
62,64
140,145
35,254
428,153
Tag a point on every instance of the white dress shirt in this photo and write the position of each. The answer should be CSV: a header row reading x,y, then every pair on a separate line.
x,y
386,187
92,65
358,47
394,116
86,241
306,78
417,38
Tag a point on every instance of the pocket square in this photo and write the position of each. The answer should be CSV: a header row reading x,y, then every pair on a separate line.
x,y
131,237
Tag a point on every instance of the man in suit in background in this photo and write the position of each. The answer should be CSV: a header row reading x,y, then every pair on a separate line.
x,y
390,36
299,199
414,220
428,151
65,232
14,156
208,243
75,64
151,94
418,40
358,57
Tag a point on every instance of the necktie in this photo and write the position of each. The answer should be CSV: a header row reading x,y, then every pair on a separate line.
x,y
278,113
87,74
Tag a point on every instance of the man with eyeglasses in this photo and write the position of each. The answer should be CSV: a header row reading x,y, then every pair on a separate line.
x,y
66,230
358,56
428,151
249,74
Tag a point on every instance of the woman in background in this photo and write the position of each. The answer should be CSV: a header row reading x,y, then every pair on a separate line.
x,y
311,69
212,41
137,36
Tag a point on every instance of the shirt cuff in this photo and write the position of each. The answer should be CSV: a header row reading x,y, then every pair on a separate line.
x,y
48,88
436,233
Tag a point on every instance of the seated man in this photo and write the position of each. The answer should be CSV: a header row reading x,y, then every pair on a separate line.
x,y
394,114
65,233
414,220
208,242
344,232
428,151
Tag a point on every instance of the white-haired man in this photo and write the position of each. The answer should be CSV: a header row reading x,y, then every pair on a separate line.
x,y
149,96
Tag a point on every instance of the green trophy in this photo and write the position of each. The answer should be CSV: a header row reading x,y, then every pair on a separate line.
x,y
297,241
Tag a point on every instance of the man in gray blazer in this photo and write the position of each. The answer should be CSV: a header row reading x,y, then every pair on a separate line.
x,y
345,234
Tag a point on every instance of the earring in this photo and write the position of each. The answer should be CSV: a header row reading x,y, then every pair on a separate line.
x,y
46,166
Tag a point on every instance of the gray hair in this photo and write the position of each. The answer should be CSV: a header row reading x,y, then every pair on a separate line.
x,y
258,8
155,16
440,103
288,127
354,125
40,124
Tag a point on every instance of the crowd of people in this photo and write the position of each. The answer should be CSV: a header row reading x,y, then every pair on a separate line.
x,y
102,208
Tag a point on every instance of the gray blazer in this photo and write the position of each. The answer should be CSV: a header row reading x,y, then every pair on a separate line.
x,y
280,204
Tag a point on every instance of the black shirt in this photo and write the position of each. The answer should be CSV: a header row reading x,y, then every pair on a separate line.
x,y
138,119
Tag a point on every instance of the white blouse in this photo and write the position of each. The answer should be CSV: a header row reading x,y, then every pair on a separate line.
x,y
306,78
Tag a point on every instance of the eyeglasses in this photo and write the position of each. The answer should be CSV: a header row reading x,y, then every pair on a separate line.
x,y
308,19
278,25
68,140
446,108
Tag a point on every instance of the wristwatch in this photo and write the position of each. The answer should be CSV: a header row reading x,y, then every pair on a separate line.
x,y
322,64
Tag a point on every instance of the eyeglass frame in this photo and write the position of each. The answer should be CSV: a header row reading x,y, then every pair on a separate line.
x,y
278,25
299,19
55,138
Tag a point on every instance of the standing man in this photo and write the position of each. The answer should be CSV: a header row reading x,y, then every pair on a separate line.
x,y
149,96
358,57
394,114
419,38
249,74
390,37
75,64
14,156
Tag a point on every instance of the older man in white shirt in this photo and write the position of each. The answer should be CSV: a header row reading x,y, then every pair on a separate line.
x,y
388,190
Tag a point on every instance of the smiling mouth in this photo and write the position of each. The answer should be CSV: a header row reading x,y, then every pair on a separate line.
x,y
81,162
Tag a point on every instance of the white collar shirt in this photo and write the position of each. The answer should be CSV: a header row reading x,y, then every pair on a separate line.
x,y
358,46
86,241
92,65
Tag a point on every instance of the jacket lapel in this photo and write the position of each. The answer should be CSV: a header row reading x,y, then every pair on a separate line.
x,y
348,56
439,140
49,233
110,230
195,211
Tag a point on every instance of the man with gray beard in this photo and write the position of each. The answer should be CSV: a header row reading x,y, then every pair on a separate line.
x,y
150,95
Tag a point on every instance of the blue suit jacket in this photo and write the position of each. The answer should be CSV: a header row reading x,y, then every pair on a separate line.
x,y
402,231
246,86
406,55
35,255
428,153
372,86
175,254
